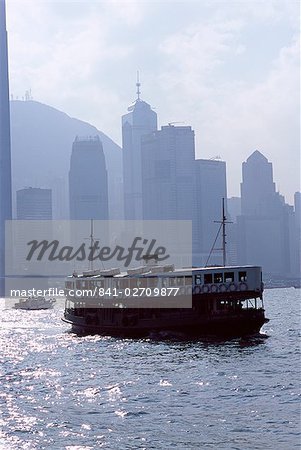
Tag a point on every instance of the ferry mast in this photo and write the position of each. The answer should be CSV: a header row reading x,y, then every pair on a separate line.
x,y
222,228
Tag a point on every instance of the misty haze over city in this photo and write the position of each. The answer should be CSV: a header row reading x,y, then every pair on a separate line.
x,y
150,224
212,114
230,70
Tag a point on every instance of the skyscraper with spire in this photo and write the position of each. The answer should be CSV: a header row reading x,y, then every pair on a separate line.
x,y
5,154
139,121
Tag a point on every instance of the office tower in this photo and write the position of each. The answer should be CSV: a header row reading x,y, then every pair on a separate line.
x,y
167,173
297,246
139,121
88,181
34,204
297,204
5,154
258,191
265,234
234,208
211,188
234,211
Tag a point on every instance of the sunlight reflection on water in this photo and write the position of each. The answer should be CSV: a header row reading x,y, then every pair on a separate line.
x,y
61,391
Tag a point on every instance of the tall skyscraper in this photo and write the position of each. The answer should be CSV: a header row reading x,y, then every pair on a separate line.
x,y
297,204
88,181
5,153
265,234
234,208
139,121
167,173
258,191
211,188
34,204
297,246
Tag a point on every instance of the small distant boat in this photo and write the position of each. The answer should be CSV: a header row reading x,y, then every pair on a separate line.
x,y
35,303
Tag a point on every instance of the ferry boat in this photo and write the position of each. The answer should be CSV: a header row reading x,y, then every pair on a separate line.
x,y
225,301
35,303
221,301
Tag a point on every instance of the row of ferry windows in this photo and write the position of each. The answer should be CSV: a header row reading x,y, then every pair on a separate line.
x,y
226,277
199,279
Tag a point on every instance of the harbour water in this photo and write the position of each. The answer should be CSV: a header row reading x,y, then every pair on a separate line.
x,y
60,391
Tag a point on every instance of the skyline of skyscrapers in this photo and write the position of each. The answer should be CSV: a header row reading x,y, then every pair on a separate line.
x,y
177,186
5,145
163,180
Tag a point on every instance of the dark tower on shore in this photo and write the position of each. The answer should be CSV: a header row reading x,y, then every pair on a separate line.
x,y
88,180
5,155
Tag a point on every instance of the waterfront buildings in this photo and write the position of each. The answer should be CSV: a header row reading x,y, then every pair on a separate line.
x,y
297,244
177,187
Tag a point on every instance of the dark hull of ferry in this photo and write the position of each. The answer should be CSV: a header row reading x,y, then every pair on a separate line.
x,y
236,325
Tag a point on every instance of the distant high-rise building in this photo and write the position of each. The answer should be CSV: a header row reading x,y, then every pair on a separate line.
x,y
211,188
167,173
297,204
234,208
34,204
297,246
265,227
5,154
258,191
88,181
139,121
234,211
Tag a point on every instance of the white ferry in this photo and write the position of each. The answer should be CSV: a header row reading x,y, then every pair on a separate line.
x,y
35,303
213,301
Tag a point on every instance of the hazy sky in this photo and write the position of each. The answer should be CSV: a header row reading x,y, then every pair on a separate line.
x,y
228,69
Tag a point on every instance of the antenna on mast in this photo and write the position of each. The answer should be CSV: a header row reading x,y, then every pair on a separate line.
x,y
91,242
224,221
138,84
222,227
172,123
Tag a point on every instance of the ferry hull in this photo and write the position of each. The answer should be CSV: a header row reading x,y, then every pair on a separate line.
x,y
225,327
33,308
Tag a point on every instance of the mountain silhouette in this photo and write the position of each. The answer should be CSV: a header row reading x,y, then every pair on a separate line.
x,y
42,139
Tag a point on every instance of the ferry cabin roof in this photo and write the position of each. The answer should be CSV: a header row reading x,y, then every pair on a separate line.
x,y
185,272
243,279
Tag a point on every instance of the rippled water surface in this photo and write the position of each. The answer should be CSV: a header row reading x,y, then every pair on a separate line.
x,y
59,391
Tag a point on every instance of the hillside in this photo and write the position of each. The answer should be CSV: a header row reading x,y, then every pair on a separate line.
x,y
42,139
